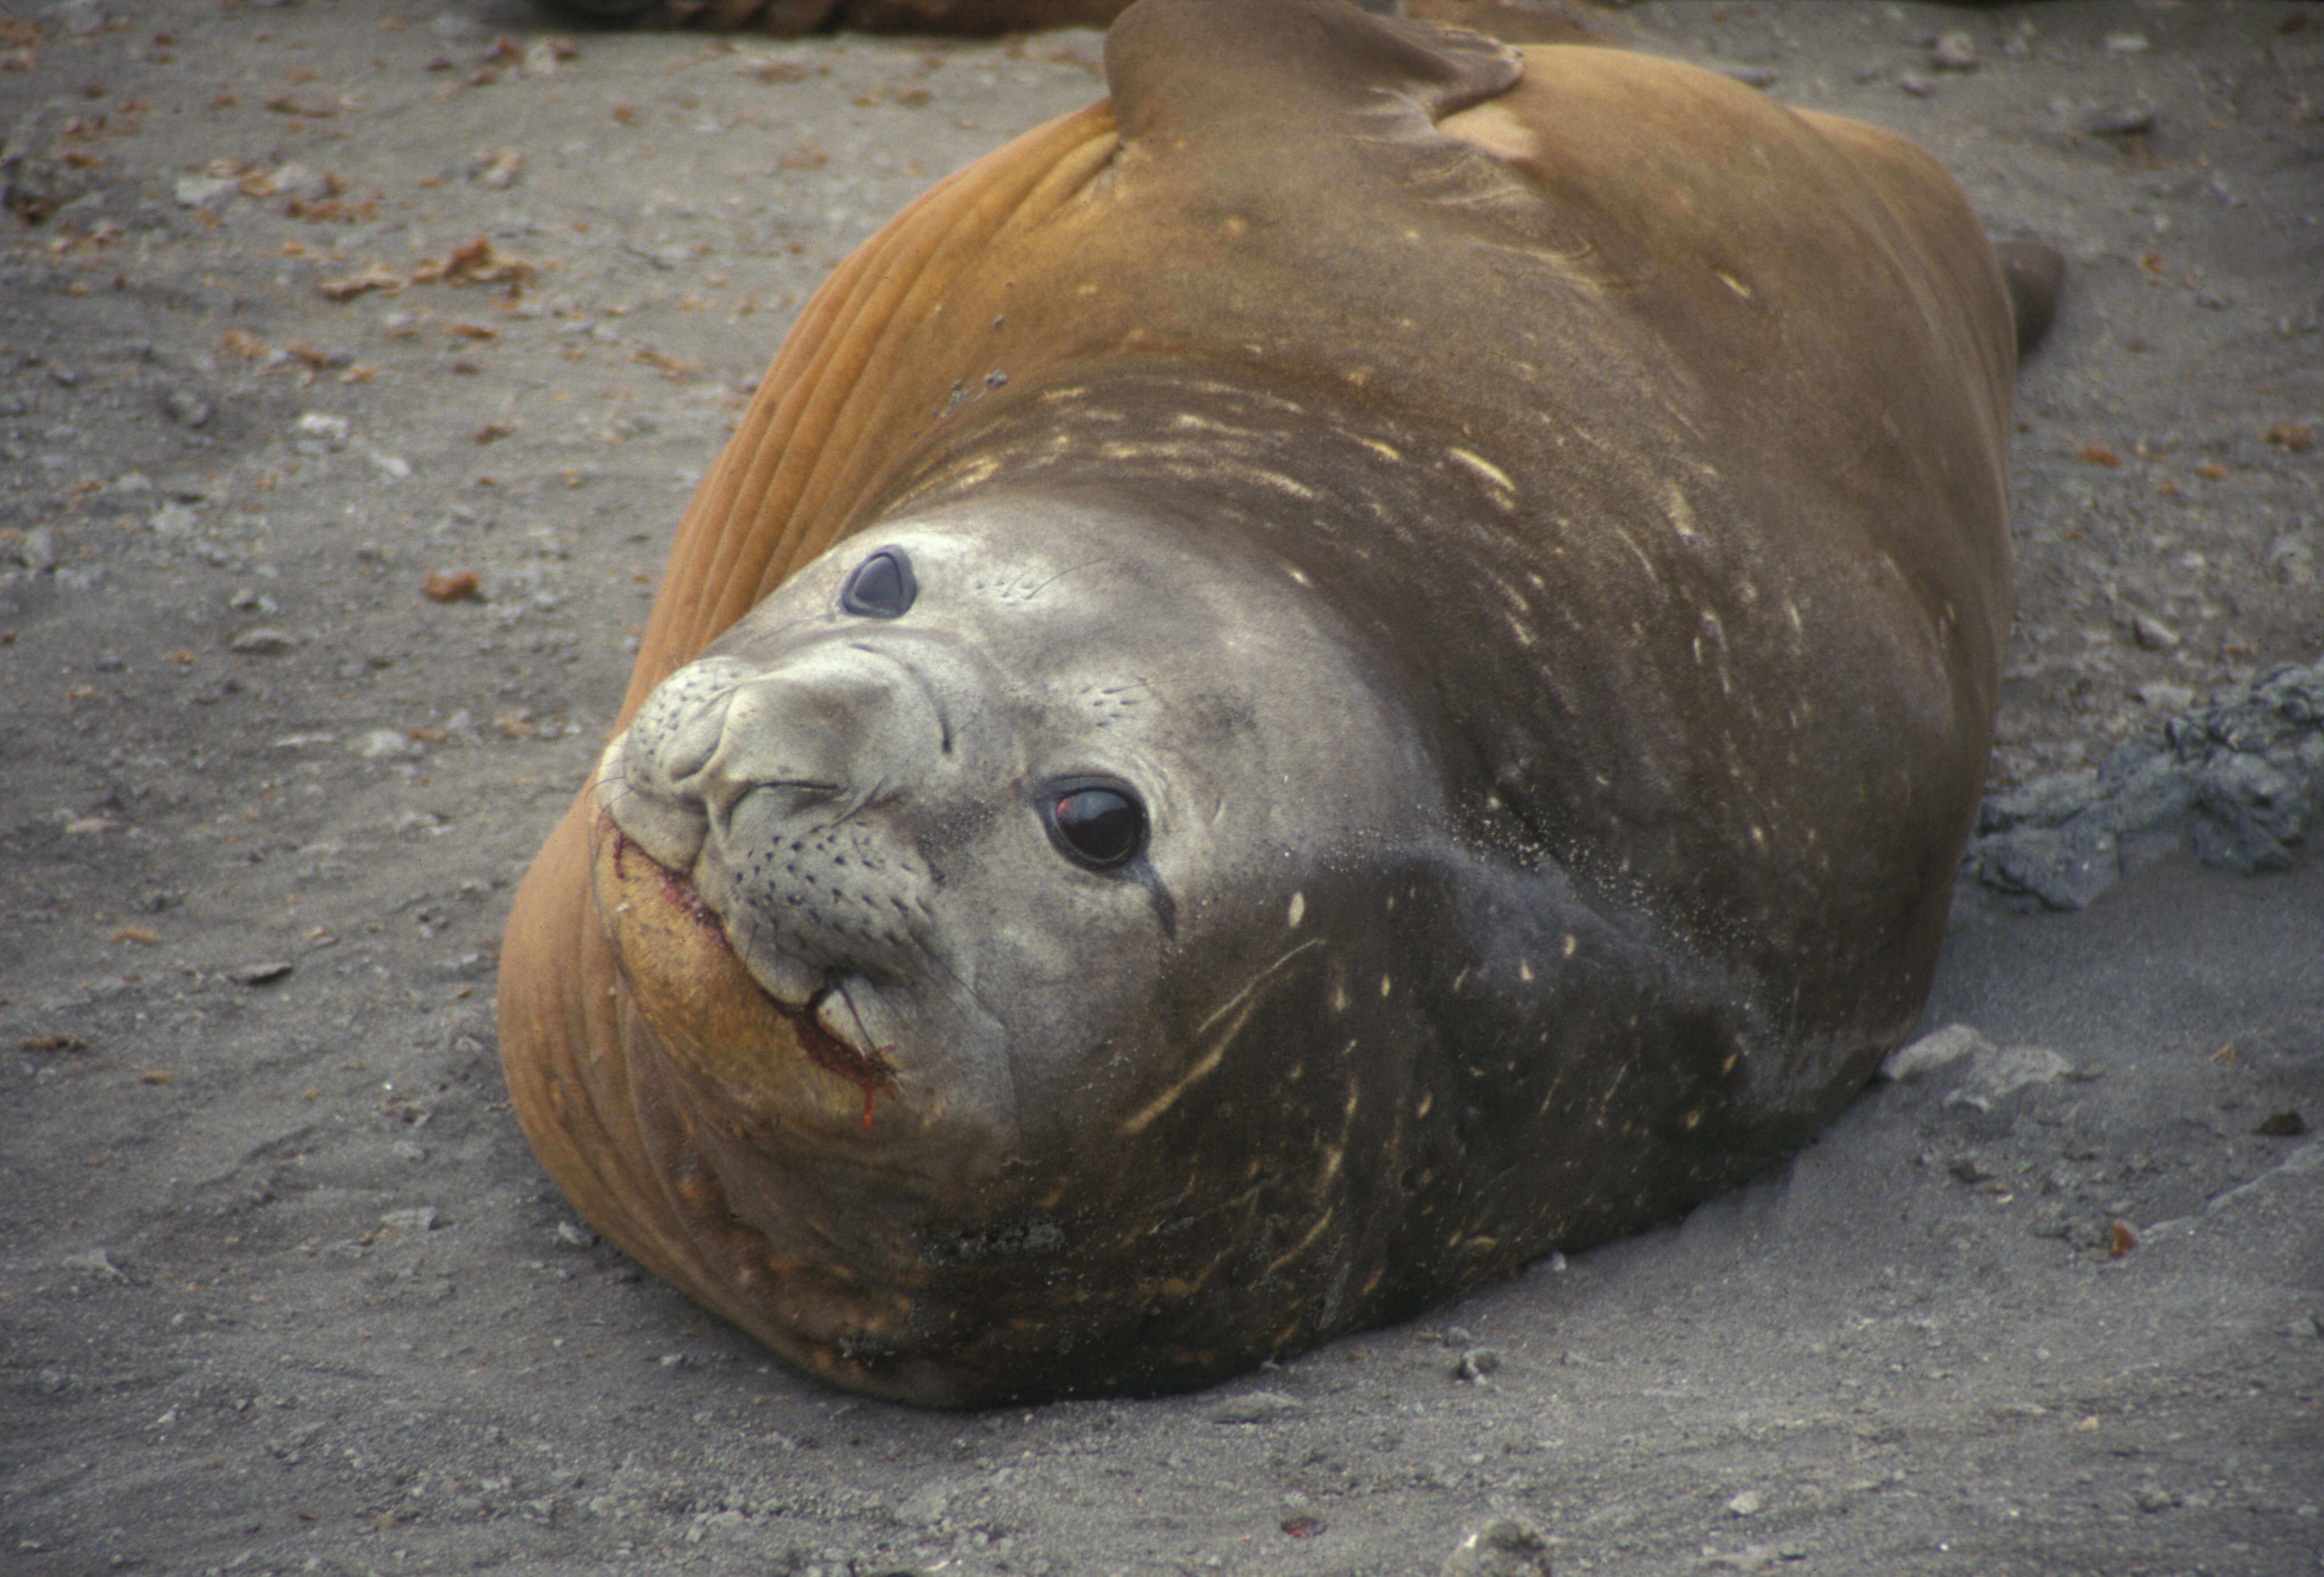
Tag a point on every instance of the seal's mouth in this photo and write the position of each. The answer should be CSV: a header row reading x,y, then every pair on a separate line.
x,y
843,1047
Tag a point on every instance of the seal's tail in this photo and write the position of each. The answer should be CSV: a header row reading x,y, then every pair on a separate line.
x,y
2035,273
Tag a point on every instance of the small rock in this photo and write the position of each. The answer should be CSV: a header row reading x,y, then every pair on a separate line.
x,y
2165,697
97,1261
388,745
2119,120
1760,77
205,191
672,1361
1746,1504
1254,1408
1503,1548
2125,43
297,182
265,974
2302,1327
1955,52
1476,1363
321,426
1914,83
405,1149
1970,1168
173,522
925,1507
415,1218
2004,1071
1932,1051
394,465
575,1237
1459,1336
263,642
2156,1497
2291,561
500,170
2153,634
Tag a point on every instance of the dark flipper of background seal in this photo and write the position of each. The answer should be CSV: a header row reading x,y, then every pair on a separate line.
x,y
1653,434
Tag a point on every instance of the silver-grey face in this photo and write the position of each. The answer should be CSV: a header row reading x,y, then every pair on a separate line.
x,y
876,807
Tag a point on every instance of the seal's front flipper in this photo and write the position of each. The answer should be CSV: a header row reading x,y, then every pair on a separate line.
x,y
1189,71
2035,273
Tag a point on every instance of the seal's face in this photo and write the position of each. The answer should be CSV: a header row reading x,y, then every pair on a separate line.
x,y
958,797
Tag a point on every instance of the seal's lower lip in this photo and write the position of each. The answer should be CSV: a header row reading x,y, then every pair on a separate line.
x,y
869,1069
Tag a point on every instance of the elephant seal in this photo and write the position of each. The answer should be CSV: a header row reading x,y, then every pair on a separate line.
x,y
1513,20
1370,659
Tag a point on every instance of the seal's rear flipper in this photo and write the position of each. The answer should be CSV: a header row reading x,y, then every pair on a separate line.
x,y
1185,71
2035,273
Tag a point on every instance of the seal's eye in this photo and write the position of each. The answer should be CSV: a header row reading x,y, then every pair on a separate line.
x,y
1099,826
881,586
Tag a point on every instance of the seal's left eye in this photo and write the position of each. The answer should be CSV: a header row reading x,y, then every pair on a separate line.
x,y
1099,826
881,586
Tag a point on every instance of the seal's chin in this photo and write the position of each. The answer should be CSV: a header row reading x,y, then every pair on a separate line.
x,y
785,1064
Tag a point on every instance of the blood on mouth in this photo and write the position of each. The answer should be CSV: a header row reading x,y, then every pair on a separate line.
x,y
871,1071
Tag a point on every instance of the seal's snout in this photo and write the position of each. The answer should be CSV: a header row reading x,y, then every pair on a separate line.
x,y
727,751
775,790
813,737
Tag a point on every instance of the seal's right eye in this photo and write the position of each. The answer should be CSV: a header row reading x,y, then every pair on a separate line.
x,y
881,586
1099,826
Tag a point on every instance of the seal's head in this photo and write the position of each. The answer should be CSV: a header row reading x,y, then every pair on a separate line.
x,y
940,874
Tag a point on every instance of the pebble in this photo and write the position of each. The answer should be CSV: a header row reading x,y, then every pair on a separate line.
x,y
2300,1327
1506,1546
1955,52
925,1507
1914,83
2125,43
265,974
405,1149
1999,1071
2154,635
263,642
415,1218
174,521
1746,1504
205,191
575,1237
1255,1407
2119,120
96,1261
1932,1051
322,427
1476,1363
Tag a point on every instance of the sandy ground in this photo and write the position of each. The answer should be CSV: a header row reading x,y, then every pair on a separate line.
x,y
281,1289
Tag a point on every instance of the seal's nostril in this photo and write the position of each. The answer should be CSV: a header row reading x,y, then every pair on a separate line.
x,y
686,748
